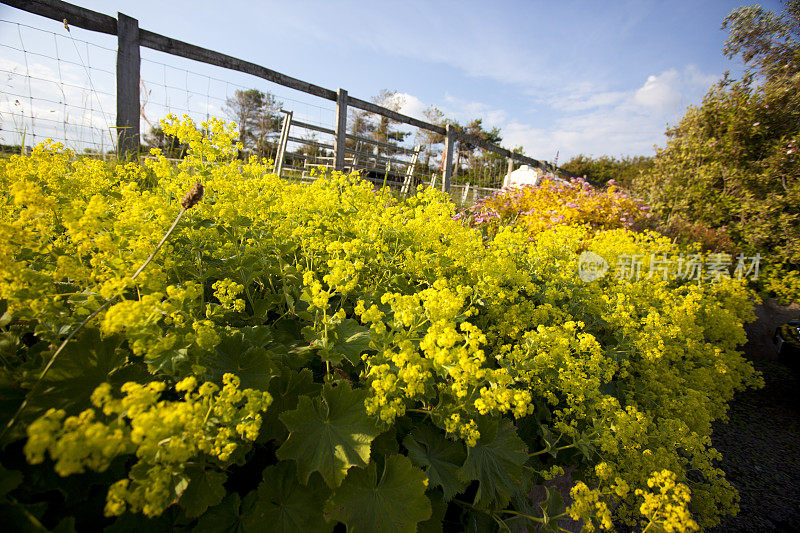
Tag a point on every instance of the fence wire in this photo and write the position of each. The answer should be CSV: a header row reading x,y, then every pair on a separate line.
x,y
57,86
65,90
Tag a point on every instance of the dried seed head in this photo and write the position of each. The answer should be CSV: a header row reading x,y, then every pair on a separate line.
x,y
193,196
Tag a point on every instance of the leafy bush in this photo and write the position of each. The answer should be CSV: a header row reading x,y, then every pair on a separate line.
x,y
302,355
733,161
556,202
604,168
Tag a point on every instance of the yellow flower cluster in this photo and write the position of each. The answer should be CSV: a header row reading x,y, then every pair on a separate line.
x,y
573,203
460,325
163,434
666,505
226,291
589,506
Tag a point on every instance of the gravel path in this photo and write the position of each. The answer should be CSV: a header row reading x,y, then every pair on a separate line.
x,y
761,442
761,453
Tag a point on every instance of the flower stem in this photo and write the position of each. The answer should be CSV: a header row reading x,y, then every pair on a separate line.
x,y
63,344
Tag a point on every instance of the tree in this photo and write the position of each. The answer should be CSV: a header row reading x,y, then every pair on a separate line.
x,y
764,40
385,128
599,170
359,124
378,128
430,139
476,166
731,163
257,115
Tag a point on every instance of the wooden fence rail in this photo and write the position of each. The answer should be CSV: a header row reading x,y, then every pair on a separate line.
x,y
131,37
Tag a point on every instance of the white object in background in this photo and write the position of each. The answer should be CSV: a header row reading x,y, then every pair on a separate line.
x,y
524,175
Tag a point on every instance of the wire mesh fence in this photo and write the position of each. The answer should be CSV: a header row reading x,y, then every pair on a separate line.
x,y
64,84
57,86
177,86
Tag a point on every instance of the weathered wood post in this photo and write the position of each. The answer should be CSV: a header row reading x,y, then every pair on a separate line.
x,y
340,134
448,157
128,66
509,171
281,155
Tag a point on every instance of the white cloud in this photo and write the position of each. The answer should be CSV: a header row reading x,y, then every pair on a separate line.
x,y
583,97
593,121
485,45
410,105
661,93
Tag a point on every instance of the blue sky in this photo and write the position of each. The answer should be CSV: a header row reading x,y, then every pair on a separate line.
x,y
574,77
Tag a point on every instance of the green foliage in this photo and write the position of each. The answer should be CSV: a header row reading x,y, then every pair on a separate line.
x,y
496,463
395,503
731,164
285,505
320,356
600,170
440,457
329,434
204,490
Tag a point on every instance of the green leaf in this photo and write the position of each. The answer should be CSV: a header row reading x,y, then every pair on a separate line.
x,y
386,444
395,503
9,480
285,504
18,519
5,316
289,345
438,510
168,361
66,525
241,353
352,340
137,522
80,368
205,490
285,390
329,433
428,447
223,518
552,506
495,462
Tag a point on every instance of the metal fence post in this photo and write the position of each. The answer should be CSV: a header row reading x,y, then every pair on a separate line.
x,y
128,66
448,157
340,135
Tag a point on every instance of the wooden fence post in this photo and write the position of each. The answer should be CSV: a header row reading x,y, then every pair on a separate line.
x,y
340,135
279,157
128,66
448,157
